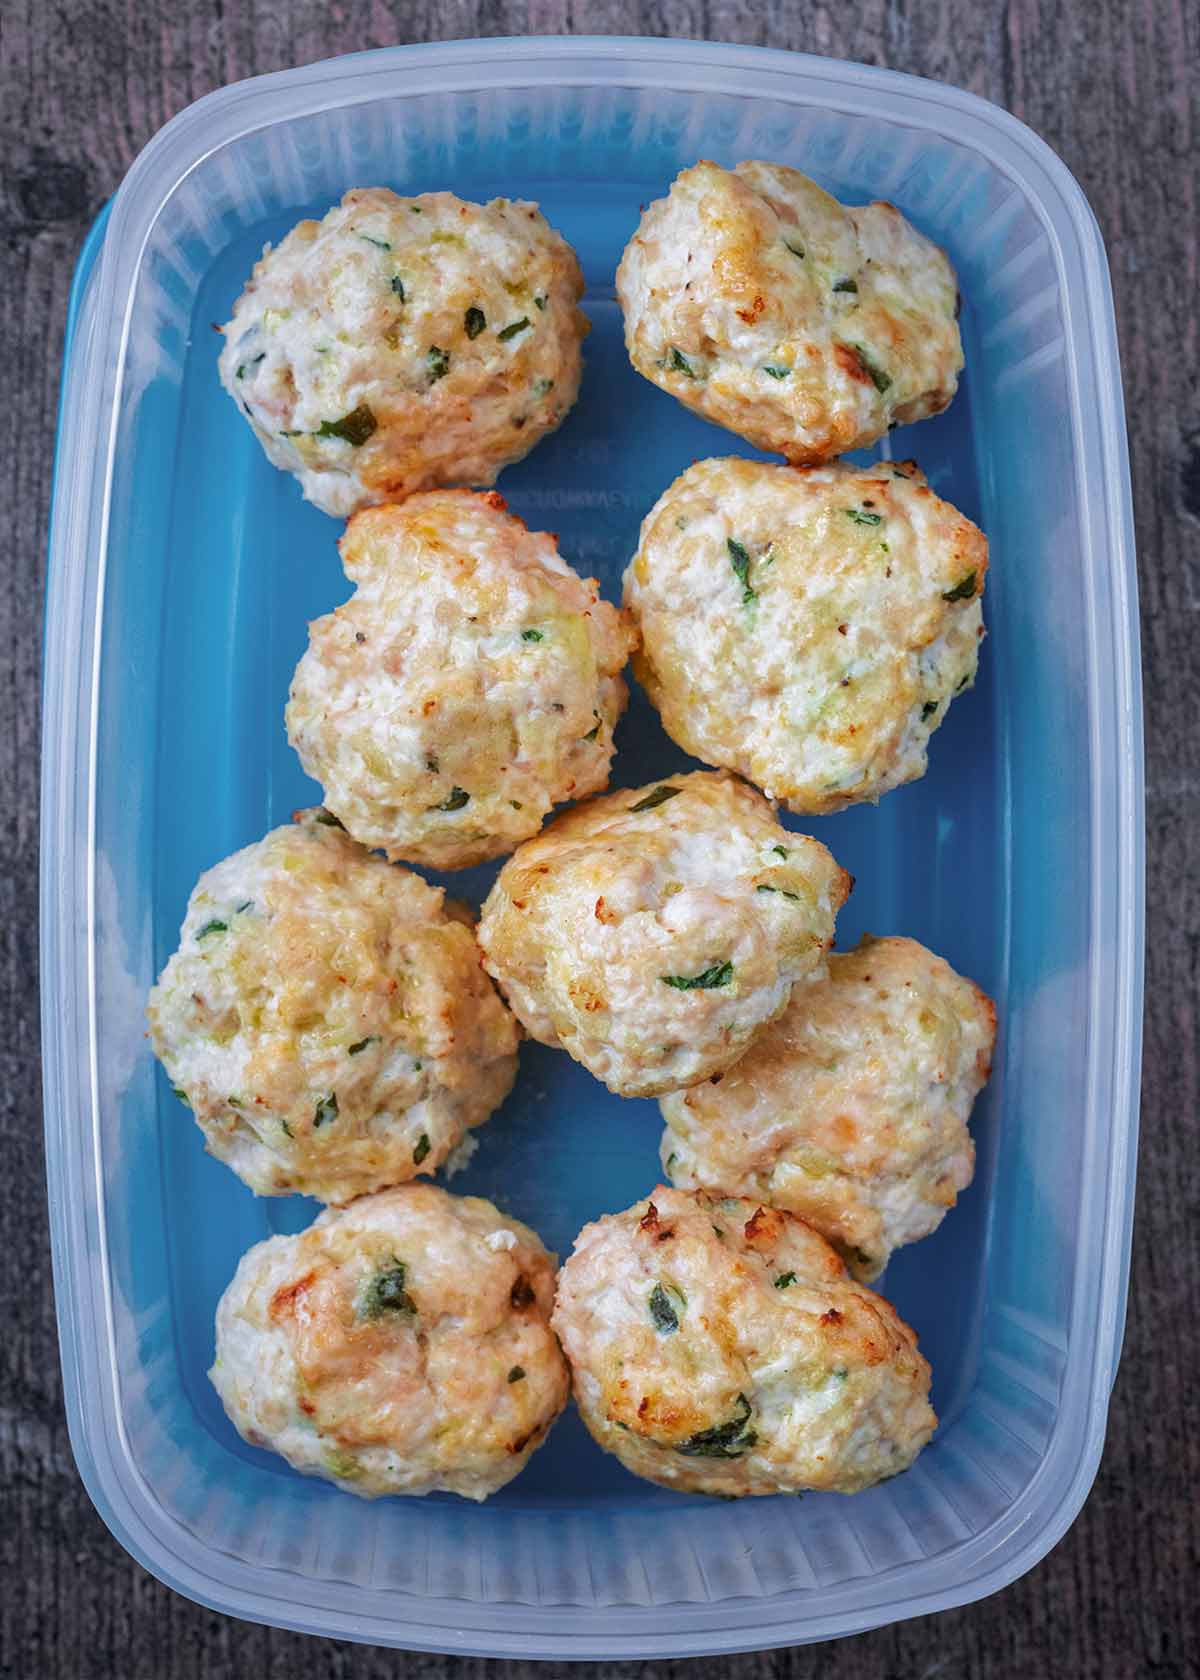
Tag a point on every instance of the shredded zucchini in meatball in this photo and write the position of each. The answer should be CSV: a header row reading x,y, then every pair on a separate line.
x,y
851,1110
471,682
655,932
326,1018
400,1345
806,326
717,1345
808,628
404,343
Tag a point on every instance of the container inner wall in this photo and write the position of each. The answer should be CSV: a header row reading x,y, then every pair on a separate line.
x,y
215,565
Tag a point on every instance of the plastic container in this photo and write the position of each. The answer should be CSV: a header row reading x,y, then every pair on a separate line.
x,y
183,569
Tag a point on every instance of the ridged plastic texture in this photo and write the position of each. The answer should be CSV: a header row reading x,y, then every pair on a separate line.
x,y
183,570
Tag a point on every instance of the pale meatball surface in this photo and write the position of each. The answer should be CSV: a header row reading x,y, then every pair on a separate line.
x,y
807,627
326,1017
719,1346
404,343
472,681
807,326
653,933
400,1345
851,1110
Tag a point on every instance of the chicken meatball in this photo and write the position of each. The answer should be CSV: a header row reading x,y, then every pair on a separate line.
x,y
326,1019
719,1346
404,343
400,1345
471,681
807,627
654,933
806,326
851,1110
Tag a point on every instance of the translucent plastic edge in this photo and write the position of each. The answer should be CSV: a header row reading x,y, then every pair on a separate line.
x,y
89,408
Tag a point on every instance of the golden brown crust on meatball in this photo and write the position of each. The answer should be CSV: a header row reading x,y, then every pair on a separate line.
x,y
654,932
807,628
399,1345
718,1346
327,1022
404,343
806,326
851,1109
471,682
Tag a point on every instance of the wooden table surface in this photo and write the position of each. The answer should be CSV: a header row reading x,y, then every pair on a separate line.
x,y
1115,88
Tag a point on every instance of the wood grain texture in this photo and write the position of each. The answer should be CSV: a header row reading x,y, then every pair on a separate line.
x,y
1114,86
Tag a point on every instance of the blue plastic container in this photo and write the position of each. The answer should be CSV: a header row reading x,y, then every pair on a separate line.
x,y
183,570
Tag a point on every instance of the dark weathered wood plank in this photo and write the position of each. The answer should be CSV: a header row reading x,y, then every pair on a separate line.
x,y
1114,87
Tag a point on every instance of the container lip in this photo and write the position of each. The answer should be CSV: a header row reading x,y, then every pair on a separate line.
x,y
229,113
536,56
1018,1539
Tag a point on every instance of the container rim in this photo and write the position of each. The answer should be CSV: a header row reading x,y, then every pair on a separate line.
x,y
78,542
